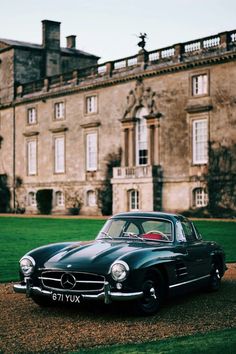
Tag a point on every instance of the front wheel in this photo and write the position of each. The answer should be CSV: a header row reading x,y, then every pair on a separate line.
x,y
42,301
152,298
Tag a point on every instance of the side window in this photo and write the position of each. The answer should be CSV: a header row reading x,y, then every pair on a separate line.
x,y
132,228
180,236
188,231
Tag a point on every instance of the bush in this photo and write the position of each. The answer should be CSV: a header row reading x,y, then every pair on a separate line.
x,y
206,213
5,194
44,201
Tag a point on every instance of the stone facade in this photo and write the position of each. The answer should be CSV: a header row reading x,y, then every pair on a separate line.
x,y
62,124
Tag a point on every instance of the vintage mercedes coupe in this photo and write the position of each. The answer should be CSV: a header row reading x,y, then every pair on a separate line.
x,y
143,257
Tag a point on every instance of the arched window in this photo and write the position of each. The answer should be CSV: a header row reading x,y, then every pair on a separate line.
x,y
91,198
60,201
200,197
32,199
133,200
141,138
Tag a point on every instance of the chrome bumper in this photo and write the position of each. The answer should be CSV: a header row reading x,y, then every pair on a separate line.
x,y
107,295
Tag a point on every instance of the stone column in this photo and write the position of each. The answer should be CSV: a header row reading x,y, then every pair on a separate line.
x,y
128,141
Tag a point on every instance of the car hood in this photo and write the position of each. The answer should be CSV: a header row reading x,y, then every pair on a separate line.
x,y
96,256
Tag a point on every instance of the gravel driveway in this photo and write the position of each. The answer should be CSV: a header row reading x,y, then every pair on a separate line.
x,y
26,328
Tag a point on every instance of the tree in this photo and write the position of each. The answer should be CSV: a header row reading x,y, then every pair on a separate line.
x,y
105,194
221,179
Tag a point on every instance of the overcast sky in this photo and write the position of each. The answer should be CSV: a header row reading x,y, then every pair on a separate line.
x,y
109,28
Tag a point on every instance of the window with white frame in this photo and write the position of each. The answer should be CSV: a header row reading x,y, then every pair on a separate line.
x,y
133,200
141,138
32,157
60,200
91,151
200,141
59,158
91,104
91,198
200,85
32,199
31,116
59,110
200,197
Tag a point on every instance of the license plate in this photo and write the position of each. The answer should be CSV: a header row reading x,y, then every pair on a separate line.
x,y
68,298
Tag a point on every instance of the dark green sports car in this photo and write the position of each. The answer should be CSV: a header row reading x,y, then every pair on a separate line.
x,y
139,256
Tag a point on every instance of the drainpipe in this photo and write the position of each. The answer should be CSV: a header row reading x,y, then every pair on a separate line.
x,y
14,158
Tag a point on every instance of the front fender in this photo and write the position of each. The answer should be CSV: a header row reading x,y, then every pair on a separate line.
x,y
43,253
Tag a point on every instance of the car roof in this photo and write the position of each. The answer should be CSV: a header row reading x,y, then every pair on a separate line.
x,y
153,214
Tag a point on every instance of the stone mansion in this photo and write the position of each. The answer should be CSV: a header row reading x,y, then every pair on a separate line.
x,y
151,117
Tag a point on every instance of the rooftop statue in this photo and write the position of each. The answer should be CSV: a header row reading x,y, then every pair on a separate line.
x,y
142,43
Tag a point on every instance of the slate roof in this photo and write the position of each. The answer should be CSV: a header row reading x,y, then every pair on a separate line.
x,y
14,43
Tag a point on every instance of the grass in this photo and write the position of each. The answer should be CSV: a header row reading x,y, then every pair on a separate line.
x,y
223,232
216,342
19,235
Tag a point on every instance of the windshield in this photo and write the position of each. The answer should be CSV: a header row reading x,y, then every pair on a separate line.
x,y
138,228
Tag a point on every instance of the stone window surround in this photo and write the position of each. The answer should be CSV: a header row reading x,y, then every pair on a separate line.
x,y
59,199
31,199
91,202
133,199
195,74
199,193
191,118
86,97
196,160
55,137
56,102
28,141
28,109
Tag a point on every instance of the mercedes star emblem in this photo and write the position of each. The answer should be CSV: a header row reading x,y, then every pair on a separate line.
x,y
68,281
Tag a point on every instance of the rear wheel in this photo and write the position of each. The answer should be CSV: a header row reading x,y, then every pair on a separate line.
x,y
215,278
152,299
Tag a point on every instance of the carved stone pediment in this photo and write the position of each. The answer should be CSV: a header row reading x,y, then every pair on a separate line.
x,y
140,97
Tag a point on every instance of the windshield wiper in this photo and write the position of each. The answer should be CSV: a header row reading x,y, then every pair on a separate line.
x,y
105,234
132,234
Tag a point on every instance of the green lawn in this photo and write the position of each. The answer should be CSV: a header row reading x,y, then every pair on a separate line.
x,y
19,235
216,342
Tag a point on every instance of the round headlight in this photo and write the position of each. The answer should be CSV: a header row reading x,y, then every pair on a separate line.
x,y
119,270
27,265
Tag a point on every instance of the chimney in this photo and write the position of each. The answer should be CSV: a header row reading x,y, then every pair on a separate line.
x,y
71,42
51,34
51,45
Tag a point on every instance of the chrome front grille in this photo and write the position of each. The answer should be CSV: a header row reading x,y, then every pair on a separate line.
x,y
72,281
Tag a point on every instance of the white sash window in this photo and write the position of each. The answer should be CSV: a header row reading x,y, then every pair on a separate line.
x,y
32,157
32,118
200,85
200,141
91,104
91,153
60,155
59,110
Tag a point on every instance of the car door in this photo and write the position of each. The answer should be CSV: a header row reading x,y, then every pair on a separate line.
x,y
196,254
